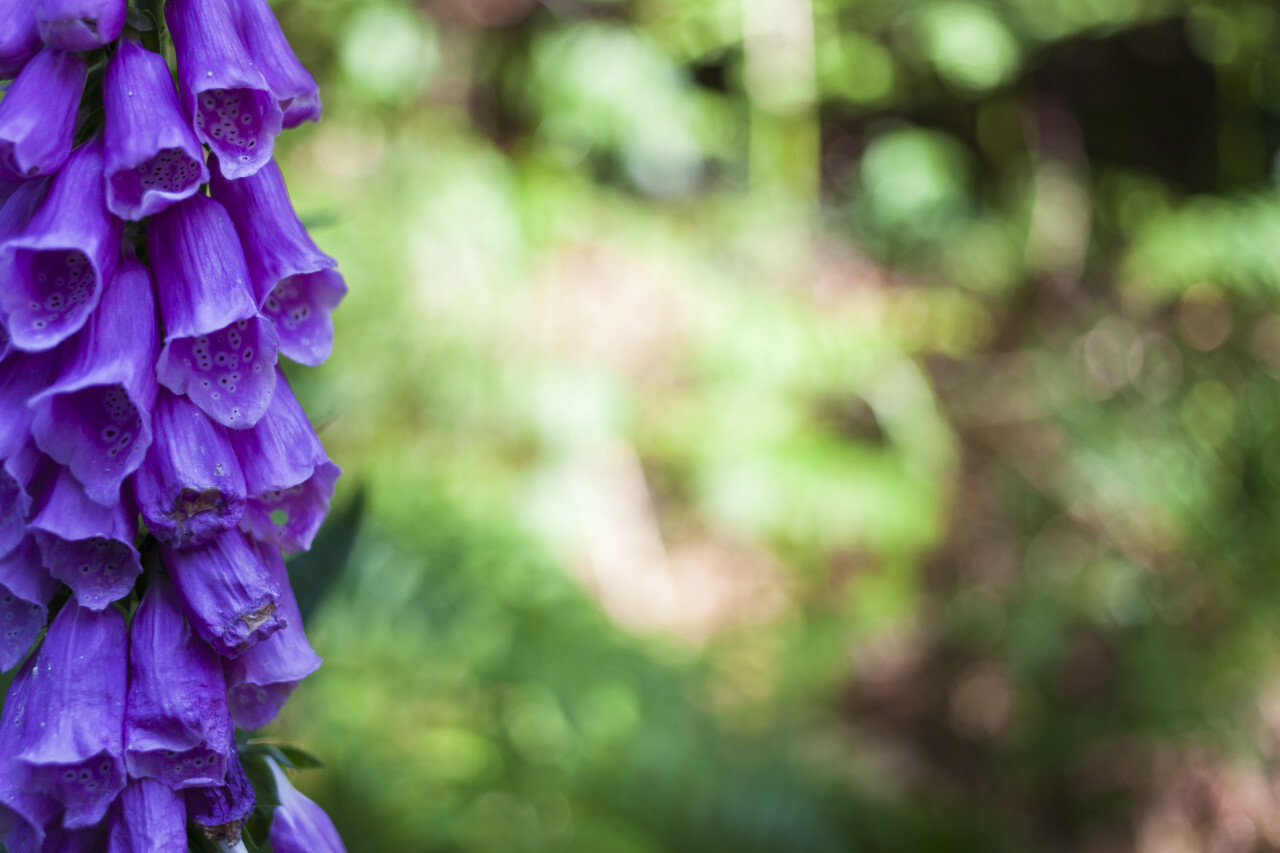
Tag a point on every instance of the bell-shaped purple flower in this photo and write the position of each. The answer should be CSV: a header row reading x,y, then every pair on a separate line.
x,y
221,810
26,588
72,744
17,474
233,108
38,115
57,266
95,417
152,156
190,487
22,376
86,545
229,596
289,80
147,817
298,824
294,282
177,727
80,24
288,475
217,349
261,679
19,36
25,813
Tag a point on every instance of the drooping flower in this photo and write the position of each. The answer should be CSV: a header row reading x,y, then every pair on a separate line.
x,y
80,24
86,545
57,266
152,156
290,82
177,726
260,680
229,596
221,810
217,349
38,114
288,476
95,417
17,474
299,825
294,282
233,109
25,813
19,36
26,588
72,740
147,817
189,488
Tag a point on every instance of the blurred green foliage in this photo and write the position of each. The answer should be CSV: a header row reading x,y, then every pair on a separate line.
x,y
808,425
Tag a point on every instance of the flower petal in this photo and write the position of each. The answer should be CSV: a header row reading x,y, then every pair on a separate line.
x,y
26,588
148,817
19,36
221,810
80,24
38,114
298,824
290,82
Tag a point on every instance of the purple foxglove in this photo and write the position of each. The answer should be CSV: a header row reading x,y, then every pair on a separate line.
x,y
299,825
190,487
148,817
80,24
287,474
221,810
21,202
229,596
22,376
72,744
152,156
38,115
224,92
26,588
59,263
293,280
19,36
25,814
261,679
217,349
95,417
290,82
176,725
17,474
86,545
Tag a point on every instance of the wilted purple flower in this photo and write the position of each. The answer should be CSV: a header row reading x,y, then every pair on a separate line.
x,y
147,817
221,810
26,588
217,349
290,82
222,89
38,115
293,280
25,813
95,417
288,476
80,24
152,156
19,36
72,741
299,825
86,545
229,596
261,679
177,727
57,266
190,487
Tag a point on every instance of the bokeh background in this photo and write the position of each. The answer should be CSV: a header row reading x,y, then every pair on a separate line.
x,y
796,425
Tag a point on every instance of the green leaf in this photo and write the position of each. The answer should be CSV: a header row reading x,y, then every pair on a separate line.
x,y
296,758
260,777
